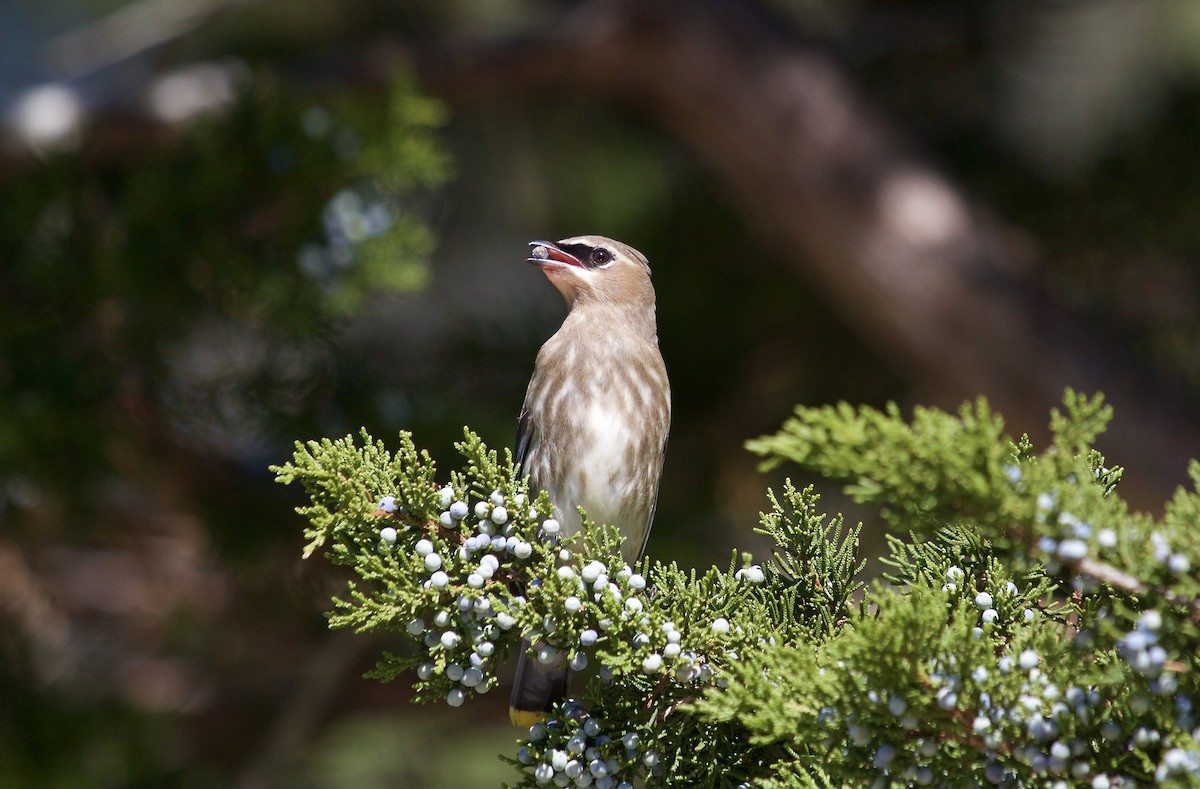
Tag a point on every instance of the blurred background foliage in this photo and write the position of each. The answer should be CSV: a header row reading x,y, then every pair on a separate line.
x,y
217,235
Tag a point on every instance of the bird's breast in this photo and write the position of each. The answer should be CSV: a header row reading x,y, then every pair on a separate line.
x,y
601,432
602,473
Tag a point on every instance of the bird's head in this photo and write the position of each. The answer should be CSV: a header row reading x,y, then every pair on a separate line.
x,y
595,269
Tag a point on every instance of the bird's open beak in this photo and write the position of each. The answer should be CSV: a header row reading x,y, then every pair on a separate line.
x,y
546,255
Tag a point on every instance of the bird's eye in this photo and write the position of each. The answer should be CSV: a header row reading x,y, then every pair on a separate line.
x,y
600,256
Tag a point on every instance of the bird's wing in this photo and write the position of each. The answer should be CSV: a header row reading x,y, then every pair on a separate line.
x,y
649,524
525,428
650,518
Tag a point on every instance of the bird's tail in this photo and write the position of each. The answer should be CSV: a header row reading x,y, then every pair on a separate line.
x,y
537,687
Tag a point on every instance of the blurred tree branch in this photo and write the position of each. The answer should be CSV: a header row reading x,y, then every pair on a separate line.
x,y
929,278
129,31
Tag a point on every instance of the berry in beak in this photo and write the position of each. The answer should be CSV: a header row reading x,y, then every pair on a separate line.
x,y
547,255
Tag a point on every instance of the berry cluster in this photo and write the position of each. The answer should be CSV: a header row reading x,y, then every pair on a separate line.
x,y
464,564
573,749
600,607
1030,727
1141,650
469,561
1003,605
1075,540
611,611
1049,732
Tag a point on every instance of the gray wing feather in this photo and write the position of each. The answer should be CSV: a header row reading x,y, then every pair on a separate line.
x,y
650,518
525,428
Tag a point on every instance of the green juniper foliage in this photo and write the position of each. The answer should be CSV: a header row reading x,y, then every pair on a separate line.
x,y
1030,629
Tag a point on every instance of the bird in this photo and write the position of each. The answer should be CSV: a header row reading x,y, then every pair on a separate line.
x,y
593,427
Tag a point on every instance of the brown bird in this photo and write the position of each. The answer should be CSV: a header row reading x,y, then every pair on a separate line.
x,y
594,424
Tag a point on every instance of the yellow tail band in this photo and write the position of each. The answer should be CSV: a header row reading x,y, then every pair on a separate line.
x,y
526,718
